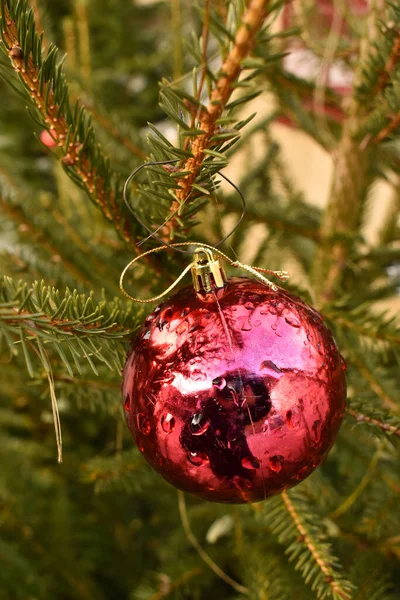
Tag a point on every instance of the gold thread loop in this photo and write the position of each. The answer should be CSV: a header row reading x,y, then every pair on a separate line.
x,y
256,271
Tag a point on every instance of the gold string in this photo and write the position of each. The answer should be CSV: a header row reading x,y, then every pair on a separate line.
x,y
256,271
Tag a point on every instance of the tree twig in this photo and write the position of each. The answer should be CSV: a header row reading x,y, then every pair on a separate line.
x,y
326,570
230,70
393,124
375,386
387,71
213,566
362,418
74,157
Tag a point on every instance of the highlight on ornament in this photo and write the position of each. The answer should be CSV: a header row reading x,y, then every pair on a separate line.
x,y
234,389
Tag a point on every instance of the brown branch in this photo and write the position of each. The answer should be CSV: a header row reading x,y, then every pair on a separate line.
x,y
72,155
38,19
391,62
361,418
393,124
39,320
326,569
230,71
375,386
204,34
383,80
351,179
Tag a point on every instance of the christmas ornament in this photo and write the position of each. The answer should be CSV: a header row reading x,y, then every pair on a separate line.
x,y
234,390
47,139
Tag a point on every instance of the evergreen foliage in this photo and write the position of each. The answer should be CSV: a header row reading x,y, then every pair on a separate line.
x,y
170,81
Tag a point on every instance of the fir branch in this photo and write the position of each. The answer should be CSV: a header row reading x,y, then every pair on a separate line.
x,y
17,214
369,474
387,72
70,128
380,76
351,181
117,472
368,325
392,126
355,154
374,384
382,421
223,87
291,520
39,314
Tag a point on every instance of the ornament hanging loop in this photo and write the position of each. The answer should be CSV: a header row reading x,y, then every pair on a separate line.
x,y
206,270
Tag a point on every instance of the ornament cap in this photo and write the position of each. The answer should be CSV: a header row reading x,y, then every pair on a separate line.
x,y
207,271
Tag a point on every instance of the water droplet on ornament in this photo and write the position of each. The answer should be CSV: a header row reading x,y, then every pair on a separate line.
x,y
250,462
244,323
147,335
320,349
159,459
164,319
316,430
292,420
141,447
198,459
149,319
304,471
219,382
198,424
127,402
275,422
182,328
292,321
168,423
264,311
198,375
143,424
257,323
273,370
240,483
249,306
343,363
185,312
276,463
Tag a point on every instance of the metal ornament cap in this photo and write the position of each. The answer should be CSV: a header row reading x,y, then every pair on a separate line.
x,y
237,395
207,271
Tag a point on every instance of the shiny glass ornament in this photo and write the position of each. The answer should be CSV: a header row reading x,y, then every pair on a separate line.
x,y
234,395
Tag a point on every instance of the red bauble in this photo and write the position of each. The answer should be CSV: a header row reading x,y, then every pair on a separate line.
x,y
234,396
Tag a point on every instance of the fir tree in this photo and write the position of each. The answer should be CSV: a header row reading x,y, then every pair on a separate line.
x,y
102,525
